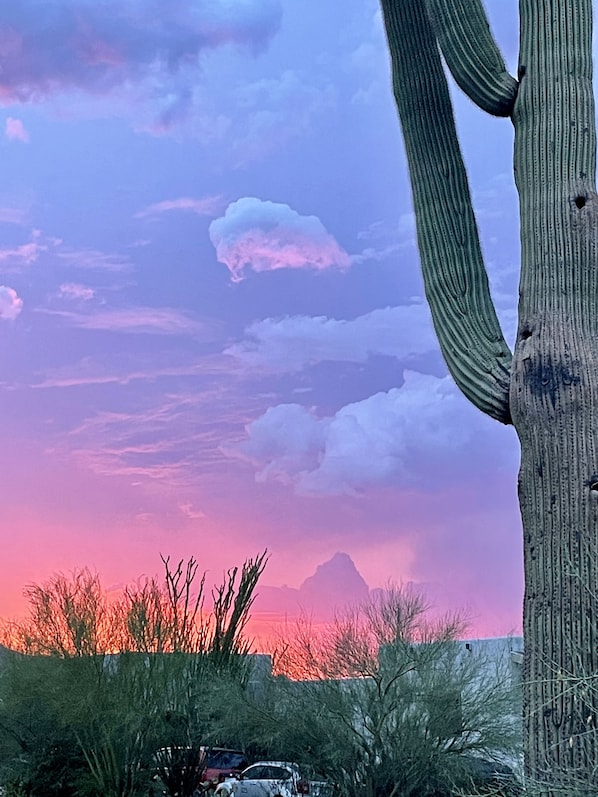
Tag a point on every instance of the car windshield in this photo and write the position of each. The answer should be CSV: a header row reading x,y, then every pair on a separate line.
x,y
225,759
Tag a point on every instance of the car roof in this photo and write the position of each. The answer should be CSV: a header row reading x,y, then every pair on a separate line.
x,y
289,764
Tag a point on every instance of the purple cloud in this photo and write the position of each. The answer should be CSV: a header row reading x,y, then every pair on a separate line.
x,y
276,110
403,437
10,304
94,260
95,46
294,342
265,236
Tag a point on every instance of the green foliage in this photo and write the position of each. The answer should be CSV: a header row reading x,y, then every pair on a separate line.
x,y
39,751
117,682
391,703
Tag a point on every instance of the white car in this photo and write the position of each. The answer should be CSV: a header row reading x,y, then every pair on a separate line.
x,y
225,787
277,779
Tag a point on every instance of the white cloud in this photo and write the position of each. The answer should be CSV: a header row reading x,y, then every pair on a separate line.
x,y
294,342
265,236
388,239
10,303
276,110
415,435
285,442
369,62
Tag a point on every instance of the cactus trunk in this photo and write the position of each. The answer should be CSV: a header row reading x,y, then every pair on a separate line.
x,y
554,387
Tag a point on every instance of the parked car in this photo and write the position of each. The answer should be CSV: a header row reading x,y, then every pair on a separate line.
x,y
491,775
196,771
220,764
225,787
276,779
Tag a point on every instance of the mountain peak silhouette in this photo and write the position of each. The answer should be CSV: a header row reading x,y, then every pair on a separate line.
x,y
335,582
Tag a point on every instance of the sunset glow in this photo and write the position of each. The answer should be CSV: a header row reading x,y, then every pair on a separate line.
x,y
214,339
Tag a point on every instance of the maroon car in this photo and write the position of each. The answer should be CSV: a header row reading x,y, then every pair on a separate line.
x,y
196,771
220,762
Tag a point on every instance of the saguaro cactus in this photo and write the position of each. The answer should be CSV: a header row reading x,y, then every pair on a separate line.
x,y
548,388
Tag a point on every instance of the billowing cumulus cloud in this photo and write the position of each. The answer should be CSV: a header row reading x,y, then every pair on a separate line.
x,y
294,342
410,436
260,235
14,130
95,46
10,303
287,442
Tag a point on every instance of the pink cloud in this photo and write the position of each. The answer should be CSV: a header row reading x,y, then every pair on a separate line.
x,y
135,320
87,372
25,254
207,206
266,236
10,304
12,215
15,130
73,290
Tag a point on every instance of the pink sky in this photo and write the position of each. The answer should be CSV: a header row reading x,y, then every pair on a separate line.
x,y
213,337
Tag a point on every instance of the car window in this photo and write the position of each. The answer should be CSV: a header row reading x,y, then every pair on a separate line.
x,y
278,773
255,773
225,759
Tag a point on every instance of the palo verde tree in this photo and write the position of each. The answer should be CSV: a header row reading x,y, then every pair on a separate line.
x,y
387,702
93,687
548,387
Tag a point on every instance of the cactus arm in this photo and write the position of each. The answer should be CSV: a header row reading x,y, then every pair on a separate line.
x,y
471,54
454,275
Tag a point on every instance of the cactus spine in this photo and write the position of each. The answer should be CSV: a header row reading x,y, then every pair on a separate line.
x,y
549,388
